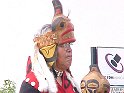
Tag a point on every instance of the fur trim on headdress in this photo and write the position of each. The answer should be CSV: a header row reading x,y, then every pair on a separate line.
x,y
44,76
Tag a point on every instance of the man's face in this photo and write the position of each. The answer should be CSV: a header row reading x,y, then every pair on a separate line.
x,y
64,58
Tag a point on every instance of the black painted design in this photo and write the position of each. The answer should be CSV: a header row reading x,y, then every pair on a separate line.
x,y
58,24
27,88
57,5
92,89
68,82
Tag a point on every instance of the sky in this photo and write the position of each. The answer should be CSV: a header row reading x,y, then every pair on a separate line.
x,y
96,23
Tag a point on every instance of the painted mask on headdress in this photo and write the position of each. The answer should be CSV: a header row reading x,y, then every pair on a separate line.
x,y
59,32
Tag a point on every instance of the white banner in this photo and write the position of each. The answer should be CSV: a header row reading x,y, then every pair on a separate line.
x,y
117,89
111,64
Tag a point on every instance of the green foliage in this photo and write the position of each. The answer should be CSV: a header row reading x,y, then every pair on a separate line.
x,y
8,87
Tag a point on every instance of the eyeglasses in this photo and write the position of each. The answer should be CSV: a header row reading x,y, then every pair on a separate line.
x,y
66,45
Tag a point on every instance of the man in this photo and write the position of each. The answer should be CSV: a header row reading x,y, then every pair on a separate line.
x,y
48,69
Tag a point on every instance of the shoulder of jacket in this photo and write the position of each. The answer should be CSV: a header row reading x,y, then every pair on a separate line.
x,y
32,80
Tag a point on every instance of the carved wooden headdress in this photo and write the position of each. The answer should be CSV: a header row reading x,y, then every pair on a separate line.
x,y
60,31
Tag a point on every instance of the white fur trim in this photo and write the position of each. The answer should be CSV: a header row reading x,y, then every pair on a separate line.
x,y
44,76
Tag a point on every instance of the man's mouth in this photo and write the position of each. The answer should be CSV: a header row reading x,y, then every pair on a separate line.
x,y
69,58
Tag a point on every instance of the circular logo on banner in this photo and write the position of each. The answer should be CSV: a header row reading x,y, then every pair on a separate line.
x,y
114,63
